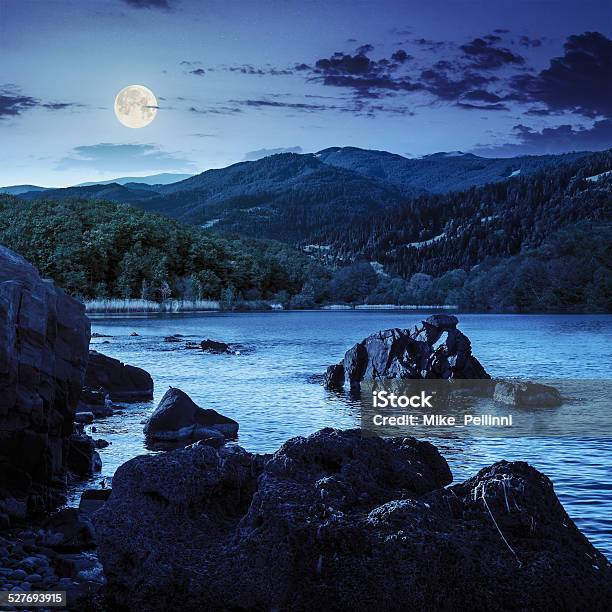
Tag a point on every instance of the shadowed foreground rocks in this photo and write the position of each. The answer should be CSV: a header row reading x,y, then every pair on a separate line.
x,y
44,338
121,381
434,349
337,521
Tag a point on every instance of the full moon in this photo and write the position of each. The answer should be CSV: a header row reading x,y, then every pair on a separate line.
x,y
135,106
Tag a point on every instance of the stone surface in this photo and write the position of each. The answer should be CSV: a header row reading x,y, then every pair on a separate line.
x,y
83,460
68,531
95,401
212,346
44,338
122,382
337,521
177,417
435,349
526,394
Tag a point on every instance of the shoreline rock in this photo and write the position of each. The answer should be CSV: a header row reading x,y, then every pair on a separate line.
x,y
435,349
526,394
120,381
44,338
177,417
339,520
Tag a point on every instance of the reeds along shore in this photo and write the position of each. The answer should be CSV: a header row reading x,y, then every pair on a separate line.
x,y
120,306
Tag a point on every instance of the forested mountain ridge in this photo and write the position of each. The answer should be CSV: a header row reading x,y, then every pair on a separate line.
x,y
440,172
98,249
300,199
436,233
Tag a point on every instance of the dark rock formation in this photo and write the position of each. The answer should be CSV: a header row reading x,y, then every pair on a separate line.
x,y
174,338
337,521
435,349
82,460
92,500
44,338
212,346
526,394
95,401
122,382
68,531
177,418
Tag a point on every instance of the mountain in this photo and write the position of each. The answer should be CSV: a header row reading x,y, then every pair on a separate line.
x,y
322,198
20,189
154,179
111,191
439,172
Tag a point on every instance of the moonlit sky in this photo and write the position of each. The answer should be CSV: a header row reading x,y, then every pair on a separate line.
x,y
238,79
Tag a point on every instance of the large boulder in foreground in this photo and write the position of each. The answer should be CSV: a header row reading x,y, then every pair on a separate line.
x,y
44,338
337,521
178,417
434,349
122,382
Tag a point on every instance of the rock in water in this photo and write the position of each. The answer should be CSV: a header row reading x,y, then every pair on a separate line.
x,y
435,349
122,382
44,338
337,521
526,394
178,418
213,346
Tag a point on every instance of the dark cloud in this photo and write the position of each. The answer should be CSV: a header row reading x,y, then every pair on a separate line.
x,y
560,139
276,104
106,156
215,110
13,103
249,69
365,49
482,96
530,42
401,56
439,83
259,153
483,107
198,71
500,31
148,4
484,54
578,81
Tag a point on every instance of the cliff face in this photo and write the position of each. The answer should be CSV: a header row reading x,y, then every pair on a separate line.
x,y
44,339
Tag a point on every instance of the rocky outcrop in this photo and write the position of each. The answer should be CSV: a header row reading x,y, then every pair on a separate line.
x,y
96,401
213,346
526,394
178,417
435,349
44,338
338,521
122,382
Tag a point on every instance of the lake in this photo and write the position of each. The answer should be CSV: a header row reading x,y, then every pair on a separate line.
x,y
272,389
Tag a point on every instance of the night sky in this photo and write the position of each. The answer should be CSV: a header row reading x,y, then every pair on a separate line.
x,y
236,80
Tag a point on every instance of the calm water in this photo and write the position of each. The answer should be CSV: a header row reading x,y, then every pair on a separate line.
x,y
270,390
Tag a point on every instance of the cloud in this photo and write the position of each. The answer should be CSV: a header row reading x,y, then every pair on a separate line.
x,y
148,4
215,110
198,71
525,41
401,56
483,54
124,158
560,139
578,81
13,103
259,153
276,104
